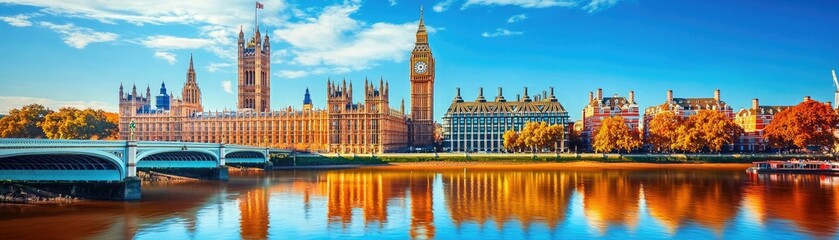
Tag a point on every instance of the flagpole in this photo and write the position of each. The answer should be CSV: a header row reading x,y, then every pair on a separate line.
x,y
255,24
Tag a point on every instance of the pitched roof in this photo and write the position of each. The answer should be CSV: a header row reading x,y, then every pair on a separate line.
x,y
611,102
690,104
544,106
762,110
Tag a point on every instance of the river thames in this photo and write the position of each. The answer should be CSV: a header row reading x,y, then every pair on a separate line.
x,y
456,204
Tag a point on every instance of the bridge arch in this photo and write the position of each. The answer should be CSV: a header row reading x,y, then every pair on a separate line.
x,y
177,158
53,165
244,156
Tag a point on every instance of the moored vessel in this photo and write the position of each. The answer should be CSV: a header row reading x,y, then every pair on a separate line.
x,y
795,166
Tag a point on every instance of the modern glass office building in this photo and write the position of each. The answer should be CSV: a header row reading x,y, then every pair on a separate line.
x,y
479,126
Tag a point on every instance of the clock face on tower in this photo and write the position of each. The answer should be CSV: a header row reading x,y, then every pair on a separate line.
x,y
420,67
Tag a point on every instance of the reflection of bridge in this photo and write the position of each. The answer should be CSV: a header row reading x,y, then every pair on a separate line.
x,y
115,161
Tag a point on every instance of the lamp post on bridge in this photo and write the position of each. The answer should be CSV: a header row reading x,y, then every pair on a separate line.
x,y
131,126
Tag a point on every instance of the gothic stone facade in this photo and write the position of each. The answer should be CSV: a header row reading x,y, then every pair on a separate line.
x,y
371,126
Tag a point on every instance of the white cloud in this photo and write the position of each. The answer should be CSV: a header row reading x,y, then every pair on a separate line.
x,y
392,2
227,86
596,5
218,21
215,67
587,5
169,57
207,12
172,42
522,3
442,6
79,37
335,41
517,18
20,20
8,103
500,32
291,74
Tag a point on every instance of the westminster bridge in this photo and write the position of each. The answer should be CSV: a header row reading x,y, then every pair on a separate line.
x,y
117,161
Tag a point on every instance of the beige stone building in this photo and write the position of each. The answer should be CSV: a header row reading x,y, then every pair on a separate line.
x,y
345,126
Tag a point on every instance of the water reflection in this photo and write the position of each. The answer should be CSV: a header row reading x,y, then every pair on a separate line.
x,y
455,204
810,202
535,197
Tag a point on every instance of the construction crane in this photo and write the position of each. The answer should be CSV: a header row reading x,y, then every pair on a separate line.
x,y
836,84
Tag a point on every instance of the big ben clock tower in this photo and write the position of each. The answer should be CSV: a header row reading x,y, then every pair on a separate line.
x,y
422,90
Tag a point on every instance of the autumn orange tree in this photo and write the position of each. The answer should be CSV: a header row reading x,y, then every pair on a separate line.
x,y
511,141
24,122
615,135
534,136
72,123
810,123
707,130
663,131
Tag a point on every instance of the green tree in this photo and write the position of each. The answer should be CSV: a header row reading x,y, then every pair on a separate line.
x,y
24,122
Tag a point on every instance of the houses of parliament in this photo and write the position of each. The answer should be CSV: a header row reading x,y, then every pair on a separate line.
x,y
345,126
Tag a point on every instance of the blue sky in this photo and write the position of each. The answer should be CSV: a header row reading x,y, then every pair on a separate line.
x,y
78,52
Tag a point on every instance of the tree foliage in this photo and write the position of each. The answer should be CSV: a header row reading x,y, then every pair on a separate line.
x,y
707,130
663,131
615,135
810,123
511,141
72,123
534,136
23,122
36,121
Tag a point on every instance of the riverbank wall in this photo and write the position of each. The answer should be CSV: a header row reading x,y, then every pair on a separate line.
x,y
337,159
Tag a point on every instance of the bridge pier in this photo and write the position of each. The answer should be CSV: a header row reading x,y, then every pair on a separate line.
x,y
131,159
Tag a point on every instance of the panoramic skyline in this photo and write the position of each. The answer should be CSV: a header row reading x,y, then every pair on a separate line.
x,y
77,53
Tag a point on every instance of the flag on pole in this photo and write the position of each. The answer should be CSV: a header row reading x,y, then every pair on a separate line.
x,y
259,5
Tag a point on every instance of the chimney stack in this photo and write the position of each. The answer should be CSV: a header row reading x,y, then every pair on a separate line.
x,y
590,96
518,97
500,97
755,104
717,95
599,94
631,96
669,95
806,98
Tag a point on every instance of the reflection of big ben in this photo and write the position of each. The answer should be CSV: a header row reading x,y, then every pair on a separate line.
x,y
422,89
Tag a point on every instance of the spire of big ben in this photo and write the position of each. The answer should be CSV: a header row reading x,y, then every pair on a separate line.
x,y
422,35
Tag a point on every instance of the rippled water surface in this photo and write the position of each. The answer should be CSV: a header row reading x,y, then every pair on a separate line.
x,y
400,204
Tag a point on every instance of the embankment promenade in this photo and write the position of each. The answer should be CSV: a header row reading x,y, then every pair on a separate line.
x,y
569,159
